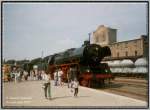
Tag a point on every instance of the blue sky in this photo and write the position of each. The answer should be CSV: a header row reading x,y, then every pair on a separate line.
x,y
30,28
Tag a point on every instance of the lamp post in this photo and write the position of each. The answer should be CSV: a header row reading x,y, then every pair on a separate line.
x,y
90,34
89,37
41,67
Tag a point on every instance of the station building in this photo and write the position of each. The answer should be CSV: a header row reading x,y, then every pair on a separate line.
x,y
126,56
131,49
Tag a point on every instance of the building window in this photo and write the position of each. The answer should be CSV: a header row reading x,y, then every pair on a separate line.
x,y
135,43
118,45
96,39
126,54
103,37
126,44
117,54
135,53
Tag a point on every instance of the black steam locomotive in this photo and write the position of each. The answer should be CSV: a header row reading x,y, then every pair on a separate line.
x,y
87,59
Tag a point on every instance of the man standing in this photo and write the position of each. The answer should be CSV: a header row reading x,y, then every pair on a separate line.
x,y
15,74
69,77
25,73
60,73
56,77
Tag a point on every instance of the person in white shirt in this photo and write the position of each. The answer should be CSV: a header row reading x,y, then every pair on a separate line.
x,y
25,73
15,74
18,76
56,77
60,73
47,86
69,78
75,86
43,74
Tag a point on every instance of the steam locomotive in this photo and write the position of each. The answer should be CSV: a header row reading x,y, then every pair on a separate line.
x,y
87,59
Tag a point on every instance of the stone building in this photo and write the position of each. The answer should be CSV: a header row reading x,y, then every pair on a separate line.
x,y
104,35
131,49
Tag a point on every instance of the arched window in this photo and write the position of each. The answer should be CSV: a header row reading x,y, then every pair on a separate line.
x,y
117,54
126,54
96,39
102,35
135,53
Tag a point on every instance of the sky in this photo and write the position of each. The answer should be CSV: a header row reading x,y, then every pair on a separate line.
x,y
30,29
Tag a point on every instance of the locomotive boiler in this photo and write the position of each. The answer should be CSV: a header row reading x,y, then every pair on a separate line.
x,y
87,59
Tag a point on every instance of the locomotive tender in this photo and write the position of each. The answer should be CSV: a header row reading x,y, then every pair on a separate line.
x,y
87,59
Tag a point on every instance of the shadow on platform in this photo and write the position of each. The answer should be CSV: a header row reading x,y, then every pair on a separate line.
x,y
112,85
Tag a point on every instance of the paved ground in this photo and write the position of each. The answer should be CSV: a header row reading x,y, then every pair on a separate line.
x,y
27,94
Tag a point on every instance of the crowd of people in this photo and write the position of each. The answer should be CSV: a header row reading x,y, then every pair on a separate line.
x,y
58,77
19,75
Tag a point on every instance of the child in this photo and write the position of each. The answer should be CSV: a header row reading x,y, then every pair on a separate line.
x,y
75,86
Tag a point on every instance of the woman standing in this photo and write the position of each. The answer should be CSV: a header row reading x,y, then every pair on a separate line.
x,y
47,86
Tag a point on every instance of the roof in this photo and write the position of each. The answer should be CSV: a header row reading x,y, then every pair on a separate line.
x,y
141,62
126,62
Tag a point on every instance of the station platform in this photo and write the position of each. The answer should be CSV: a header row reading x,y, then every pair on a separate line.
x,y
30,94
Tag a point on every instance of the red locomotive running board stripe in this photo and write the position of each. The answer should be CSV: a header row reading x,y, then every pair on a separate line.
x,y
100,75
103,76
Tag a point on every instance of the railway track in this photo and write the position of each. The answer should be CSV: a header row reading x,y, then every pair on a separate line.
x,y
126,93
132,80
132,83
129,92
137,89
